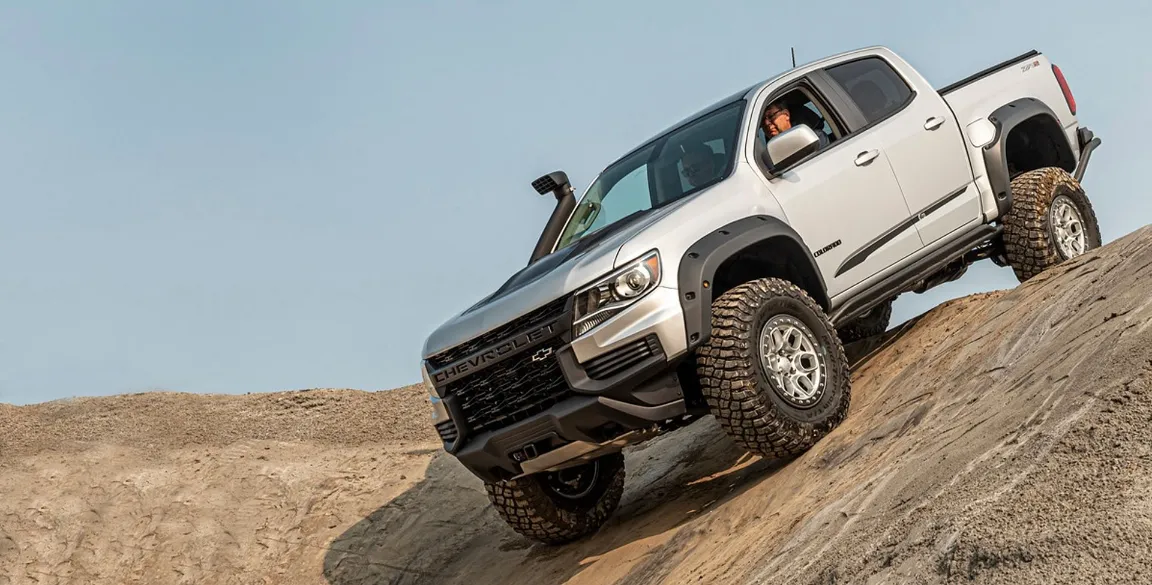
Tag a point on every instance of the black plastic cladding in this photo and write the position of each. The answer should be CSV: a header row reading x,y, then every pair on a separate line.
x,y
1006,118
701,261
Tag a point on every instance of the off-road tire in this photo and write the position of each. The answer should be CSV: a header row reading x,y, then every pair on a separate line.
x,y
1029,244
734,381
874,322
534,510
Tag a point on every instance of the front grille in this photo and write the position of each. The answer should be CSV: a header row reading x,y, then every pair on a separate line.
x,y
622,358
511,390
447,430
537,317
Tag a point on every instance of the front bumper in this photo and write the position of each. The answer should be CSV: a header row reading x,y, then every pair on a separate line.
x,y
534,400
570,432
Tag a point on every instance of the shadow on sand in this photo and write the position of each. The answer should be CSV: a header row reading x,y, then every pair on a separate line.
x,y
859,352
443,529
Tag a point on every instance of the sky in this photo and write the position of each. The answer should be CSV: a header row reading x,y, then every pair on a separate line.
x,y
235,197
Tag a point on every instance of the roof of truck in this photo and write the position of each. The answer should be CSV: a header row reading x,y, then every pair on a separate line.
x,y
744,93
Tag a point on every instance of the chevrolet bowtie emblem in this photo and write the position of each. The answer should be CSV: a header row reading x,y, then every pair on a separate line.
x,y
542,354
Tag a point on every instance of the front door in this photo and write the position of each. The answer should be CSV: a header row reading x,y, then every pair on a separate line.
x,y
844,200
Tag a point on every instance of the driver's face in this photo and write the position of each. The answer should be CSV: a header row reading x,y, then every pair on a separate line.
x,y
777,120
697,169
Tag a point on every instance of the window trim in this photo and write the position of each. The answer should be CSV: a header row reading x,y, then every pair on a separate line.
x,y
840,89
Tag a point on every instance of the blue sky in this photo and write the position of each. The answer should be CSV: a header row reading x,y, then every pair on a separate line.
x,y
246,197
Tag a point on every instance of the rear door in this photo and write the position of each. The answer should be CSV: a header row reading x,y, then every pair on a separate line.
x,y
921,137
842,199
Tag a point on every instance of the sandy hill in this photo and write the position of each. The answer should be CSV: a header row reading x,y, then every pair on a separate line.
x,y
1000,438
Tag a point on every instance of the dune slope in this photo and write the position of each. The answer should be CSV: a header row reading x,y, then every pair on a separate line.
x,y
1000,438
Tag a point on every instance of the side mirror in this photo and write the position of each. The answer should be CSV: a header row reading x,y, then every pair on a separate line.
x,y
789,146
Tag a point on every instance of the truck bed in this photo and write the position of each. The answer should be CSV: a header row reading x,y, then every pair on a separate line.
x,y
985,73
1029,75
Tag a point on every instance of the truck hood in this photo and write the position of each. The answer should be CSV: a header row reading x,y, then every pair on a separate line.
x,y
549,278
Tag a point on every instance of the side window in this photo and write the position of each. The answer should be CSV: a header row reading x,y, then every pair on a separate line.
x,y
793,108
875,87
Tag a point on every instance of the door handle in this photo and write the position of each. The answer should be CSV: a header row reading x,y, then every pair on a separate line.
x,y
866,157
933,123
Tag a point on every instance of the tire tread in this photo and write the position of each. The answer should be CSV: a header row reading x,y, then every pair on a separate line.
x,y
1027,244
526,507
728,374
873,322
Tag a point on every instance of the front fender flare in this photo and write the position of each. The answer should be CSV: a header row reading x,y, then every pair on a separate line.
x,y
702,259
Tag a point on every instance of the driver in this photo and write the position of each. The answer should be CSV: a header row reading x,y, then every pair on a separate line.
x,y
778,118
698,165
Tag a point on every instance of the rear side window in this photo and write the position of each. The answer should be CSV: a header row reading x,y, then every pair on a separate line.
x,y
875,87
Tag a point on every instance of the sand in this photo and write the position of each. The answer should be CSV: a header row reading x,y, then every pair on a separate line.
x,y
1004,437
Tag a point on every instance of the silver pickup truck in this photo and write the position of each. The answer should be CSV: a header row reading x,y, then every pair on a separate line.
x,y
719,268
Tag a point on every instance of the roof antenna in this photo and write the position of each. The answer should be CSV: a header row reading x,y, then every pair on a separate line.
x,y
793,57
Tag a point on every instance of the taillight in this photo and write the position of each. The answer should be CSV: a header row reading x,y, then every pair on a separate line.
x,y
1064,88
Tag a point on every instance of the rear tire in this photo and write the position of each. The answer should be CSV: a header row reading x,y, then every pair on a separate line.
x,y
560,507
874,322
766,335
1050,221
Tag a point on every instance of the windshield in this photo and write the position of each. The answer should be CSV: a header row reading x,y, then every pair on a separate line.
x,y
684,161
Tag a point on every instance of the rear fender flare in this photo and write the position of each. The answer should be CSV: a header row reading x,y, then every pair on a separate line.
x,y
702,259
1005,118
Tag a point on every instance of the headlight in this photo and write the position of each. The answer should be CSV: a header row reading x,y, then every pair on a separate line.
x,y
615,292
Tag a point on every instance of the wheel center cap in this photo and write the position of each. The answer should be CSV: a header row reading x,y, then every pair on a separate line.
x,y
785,364
781,364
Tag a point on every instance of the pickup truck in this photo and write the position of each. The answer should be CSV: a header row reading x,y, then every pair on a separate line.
x,y
720,267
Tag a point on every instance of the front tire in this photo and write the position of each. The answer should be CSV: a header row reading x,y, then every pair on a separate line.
x,y
1050,221
774,372
560,507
